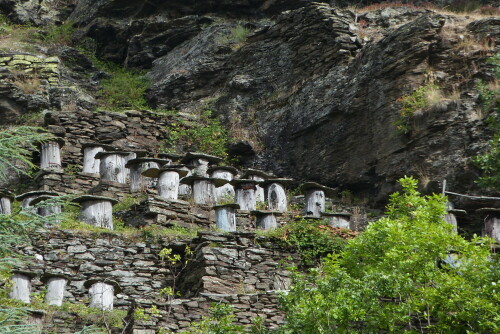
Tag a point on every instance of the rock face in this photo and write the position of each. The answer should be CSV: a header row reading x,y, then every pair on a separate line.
x,y
324,101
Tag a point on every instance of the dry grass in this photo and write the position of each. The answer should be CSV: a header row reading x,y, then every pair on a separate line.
x,y
473,12
26,82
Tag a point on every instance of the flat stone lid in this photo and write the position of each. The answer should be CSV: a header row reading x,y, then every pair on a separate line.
x,y
336,214
312,217
58,140
231,169
48,275
198,155
41,198
106,153
192,178
47,171
92,281
489,210
36,193
250,171
138,153
85,198
266,212
282,181
7,193
107,147
155,172
145,159
25,272
313,185
457,212
229,205
171,156
237,182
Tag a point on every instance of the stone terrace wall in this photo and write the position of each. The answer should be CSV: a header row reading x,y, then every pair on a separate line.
x,y
237,263
129,130
237,268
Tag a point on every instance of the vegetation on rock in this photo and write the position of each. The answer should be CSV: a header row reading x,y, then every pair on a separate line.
x,y
407,272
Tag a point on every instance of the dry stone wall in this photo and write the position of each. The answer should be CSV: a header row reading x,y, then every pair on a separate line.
x,y
237,268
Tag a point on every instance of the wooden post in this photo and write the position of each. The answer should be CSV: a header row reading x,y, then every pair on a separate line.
x,y
338,219
138,181
29,199
315,195
225,217
90,163
450,216
102,296
168,180
491,222
226,191
56,285
6,198
21,287
203,192
50,155
245,193
259,176
112,166
96,210
266,220
199,162
185,189
276,194
203,188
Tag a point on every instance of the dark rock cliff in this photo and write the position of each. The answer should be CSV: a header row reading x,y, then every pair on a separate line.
x,y
314,88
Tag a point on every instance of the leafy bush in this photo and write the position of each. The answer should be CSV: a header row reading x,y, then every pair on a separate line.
x,y
206,135
408,272
313,239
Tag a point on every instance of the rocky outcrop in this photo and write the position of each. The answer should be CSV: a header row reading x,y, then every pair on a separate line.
x,y
37,12
324,102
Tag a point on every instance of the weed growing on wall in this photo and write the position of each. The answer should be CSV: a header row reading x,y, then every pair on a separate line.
x,y
421,99
206,135
123,89
489,162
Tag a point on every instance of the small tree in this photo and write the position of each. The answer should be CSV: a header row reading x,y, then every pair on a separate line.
x,y
407,272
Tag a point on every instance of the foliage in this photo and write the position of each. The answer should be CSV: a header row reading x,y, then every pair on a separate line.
x,y
422,98
128,202
176,266
220,321
489,162
206,135
313,239
16,147
408,272
236,37
124,88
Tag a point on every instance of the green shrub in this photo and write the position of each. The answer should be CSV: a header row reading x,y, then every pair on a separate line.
x,y
406,273
312,239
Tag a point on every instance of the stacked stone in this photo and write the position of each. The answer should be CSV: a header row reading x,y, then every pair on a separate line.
x,y
32,66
